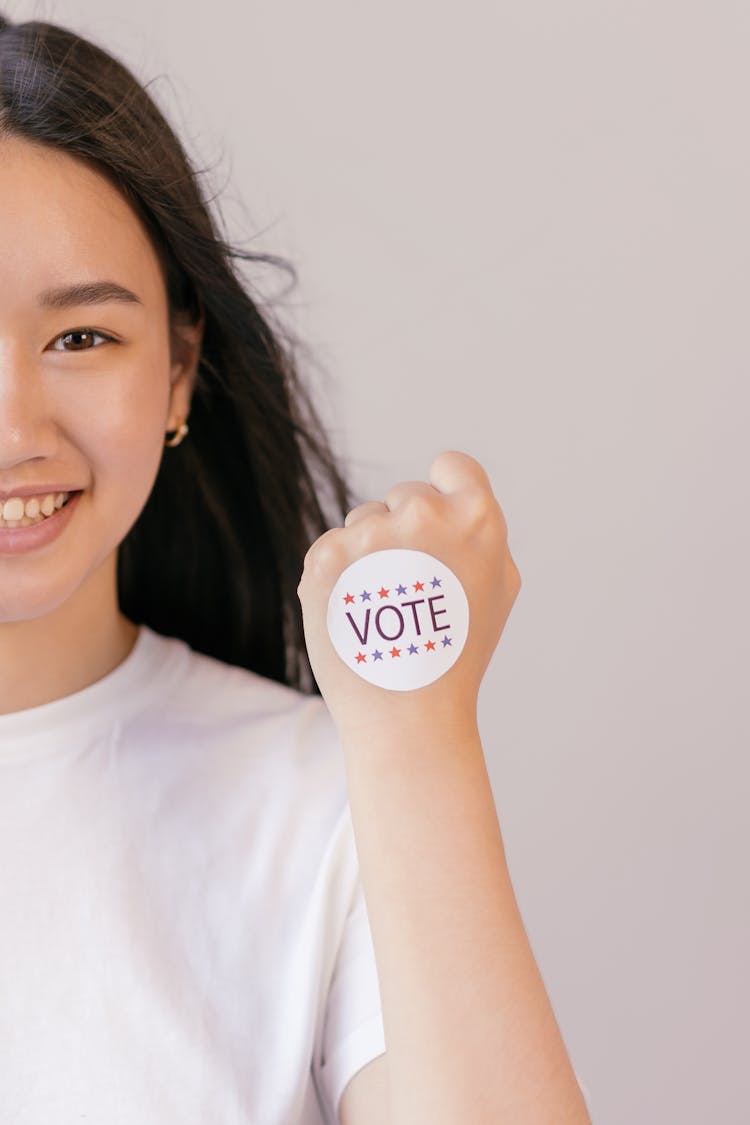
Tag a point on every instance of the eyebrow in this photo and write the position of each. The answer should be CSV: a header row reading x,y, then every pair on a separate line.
x,y
86,293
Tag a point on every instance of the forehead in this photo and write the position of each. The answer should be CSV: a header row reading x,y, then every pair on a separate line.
x,y
61,219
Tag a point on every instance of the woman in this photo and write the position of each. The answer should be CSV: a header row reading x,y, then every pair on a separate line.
x,y
189,830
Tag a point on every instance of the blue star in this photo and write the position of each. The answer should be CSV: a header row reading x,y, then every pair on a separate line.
x,y
401,589
365,596
435,582
446,641
377,655
413,648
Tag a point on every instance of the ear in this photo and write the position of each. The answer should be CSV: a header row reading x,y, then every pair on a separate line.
x,y
186,339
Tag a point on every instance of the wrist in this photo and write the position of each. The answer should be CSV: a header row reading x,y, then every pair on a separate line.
x,y
421,715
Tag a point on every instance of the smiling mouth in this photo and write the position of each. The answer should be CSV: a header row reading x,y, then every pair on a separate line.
x,y
31,521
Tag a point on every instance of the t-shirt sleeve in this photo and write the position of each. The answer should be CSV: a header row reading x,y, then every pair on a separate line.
x,y
353,1031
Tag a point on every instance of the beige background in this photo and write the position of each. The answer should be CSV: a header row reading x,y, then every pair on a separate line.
x,y
521,230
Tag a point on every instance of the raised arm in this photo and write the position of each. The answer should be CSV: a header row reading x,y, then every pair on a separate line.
x,y
470,1033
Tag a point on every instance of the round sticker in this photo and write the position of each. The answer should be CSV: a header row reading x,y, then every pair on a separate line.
x,y
399,618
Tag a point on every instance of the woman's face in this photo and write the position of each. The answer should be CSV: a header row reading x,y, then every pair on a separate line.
x,y
87,391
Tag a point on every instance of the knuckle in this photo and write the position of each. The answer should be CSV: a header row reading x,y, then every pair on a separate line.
x,y
418,507
483,513
362,510
400,493
324,552
370,533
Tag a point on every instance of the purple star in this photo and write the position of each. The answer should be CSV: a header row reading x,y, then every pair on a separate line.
x,y
435,582
446,641
401,589
413,648
377,655
365,596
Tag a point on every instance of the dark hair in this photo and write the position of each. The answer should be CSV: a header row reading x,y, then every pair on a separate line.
x,y
216,554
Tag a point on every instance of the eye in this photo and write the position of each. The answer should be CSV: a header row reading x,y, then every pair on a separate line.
x,y
82,338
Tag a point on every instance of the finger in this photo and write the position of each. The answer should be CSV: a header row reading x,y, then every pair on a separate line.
x,y
362,510
331,533
453,471
400,492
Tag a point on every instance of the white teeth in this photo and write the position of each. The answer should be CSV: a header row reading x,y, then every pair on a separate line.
x,y
16,512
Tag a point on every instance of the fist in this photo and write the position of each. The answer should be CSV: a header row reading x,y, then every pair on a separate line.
x,y
457,519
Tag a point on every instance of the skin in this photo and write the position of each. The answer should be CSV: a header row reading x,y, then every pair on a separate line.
x,y
451,948
89,413
470,1032
456,518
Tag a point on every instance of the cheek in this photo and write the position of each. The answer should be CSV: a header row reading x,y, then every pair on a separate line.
x,y
121,433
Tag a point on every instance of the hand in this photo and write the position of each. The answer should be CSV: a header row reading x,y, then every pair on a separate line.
x,y
457,519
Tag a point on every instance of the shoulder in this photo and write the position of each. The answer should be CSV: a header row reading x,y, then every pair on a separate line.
x,y
201,691
237,728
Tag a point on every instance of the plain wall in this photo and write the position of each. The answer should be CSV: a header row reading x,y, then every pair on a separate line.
x,y
522,231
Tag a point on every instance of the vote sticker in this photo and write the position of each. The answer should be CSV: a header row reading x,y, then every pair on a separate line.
x,y
399,618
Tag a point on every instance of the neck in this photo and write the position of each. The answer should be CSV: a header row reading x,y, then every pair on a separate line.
x,y
55,654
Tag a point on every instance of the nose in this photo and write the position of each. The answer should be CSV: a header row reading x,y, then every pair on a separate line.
x,y
27,429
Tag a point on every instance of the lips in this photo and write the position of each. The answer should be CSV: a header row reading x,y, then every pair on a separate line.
x,y
35,535
24,491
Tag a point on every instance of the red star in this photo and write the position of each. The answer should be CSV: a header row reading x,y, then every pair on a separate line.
x,y
349,598
360,658
429,645
383,592
418,586
395,651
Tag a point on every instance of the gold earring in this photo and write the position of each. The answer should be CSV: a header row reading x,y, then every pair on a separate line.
x,y
177,435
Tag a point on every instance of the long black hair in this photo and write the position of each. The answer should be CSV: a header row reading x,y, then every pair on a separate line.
x,y
216,553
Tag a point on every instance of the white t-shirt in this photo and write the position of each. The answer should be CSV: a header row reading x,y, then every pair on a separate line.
x,y
184,936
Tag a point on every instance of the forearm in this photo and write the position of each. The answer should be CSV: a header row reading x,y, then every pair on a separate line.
x,y
470,1031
